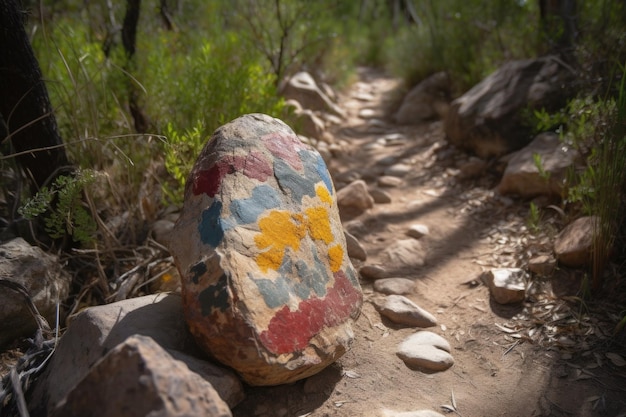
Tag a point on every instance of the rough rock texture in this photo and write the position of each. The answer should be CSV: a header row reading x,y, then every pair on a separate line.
x,y
507,285
522,176
573,246
44,278
401,310
542,265
97,330
303,89
487,119
268,287
138,378
397,286
355,249
426,350
354,198
405,253
427,100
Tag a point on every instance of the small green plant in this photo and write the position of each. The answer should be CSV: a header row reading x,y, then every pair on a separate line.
x,y
534,218
543,174
62,209
181,151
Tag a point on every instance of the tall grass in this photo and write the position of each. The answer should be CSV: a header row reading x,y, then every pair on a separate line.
x,y
609,183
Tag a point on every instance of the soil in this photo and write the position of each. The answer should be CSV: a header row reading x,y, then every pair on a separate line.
x,y
544,357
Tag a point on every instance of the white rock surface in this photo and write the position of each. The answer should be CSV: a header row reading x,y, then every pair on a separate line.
x,y
401,310
507,285
418,230
426,350
397,286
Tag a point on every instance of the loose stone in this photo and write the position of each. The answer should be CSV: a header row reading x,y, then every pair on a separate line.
x,y
401,310
397,286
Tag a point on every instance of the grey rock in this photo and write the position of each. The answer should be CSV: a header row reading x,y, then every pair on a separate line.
x,y
522,176
44,279
507,285
487,120
401,310
138,378
397,286
542,265
380,196
355,196
354,247
427,100
399,170
573,245
373,272
387,181
426,350
302,88
418,231
405,253
97,330
308,124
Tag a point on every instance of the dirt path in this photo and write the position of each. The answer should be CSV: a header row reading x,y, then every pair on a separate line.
x,y
498,370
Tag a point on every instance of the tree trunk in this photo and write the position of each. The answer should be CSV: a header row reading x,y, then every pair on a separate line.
x,y
129,37
24,102
558,25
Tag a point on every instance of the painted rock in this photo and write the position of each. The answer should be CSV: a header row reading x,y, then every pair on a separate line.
x,y
268,288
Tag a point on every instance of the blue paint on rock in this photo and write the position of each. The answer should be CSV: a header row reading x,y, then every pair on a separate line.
x,y
248,210
275,292
214,297
320,167
292,180
210,227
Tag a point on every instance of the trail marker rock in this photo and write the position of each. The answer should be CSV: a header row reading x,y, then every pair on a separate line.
x,y
268,288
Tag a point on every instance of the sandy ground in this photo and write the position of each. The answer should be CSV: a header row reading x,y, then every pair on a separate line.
x,y
500,370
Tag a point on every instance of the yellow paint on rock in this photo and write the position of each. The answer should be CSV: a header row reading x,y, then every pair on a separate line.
x,y
279,230
323,194
318,223
335,253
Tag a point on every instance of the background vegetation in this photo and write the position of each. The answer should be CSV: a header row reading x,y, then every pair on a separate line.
x,y
198,64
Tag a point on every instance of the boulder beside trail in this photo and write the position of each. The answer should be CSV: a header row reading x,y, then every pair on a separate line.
x,y
43,277
268,287
539,168
488,119
427,100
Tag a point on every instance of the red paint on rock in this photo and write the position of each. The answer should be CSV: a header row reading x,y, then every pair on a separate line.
x,y
254,165
290,331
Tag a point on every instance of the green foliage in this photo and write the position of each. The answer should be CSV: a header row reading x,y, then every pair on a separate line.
x,y
467,39
543,174
534,218
62,205
180,154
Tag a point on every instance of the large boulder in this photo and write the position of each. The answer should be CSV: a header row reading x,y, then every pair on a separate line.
x,y
96,331
44,278
268,287
303,88
427,100
524,177
138,378
487,120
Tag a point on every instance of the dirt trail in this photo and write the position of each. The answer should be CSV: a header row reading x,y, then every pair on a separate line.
x,y
496,372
